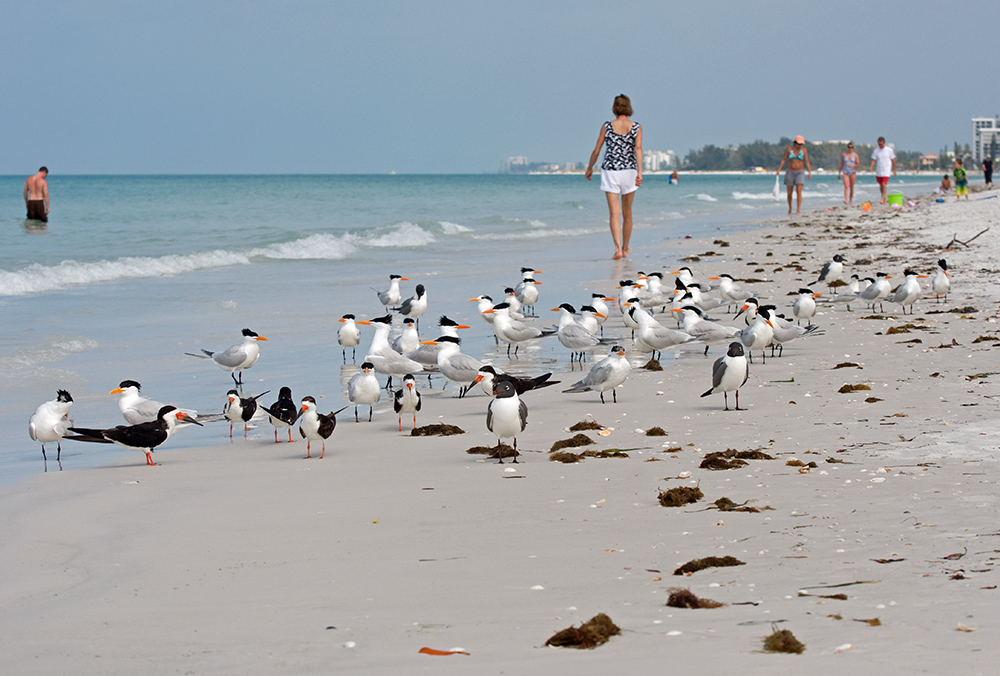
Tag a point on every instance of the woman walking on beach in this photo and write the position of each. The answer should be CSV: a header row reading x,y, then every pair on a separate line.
x,y
621,171
849,163
797,157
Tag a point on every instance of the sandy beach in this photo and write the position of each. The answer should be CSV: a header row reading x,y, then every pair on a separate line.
x,y
246,558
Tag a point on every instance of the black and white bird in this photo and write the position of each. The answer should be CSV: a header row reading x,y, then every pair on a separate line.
x,y
489,375
759,333
804,306
363,390
426,353
730,290
239,409
908,292
50,422
416,305
573,334
851,294
382,357
283,413
512,331
315,426
702,330
599,302
407,400
409,339
784,331
349,336
833,271
527,289
652,336
506,416
454,365
877,291
236,357
390,297
605,375
729,374
143,437
941,284
136,408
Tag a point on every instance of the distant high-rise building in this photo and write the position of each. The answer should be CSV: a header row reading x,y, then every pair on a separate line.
x,y
514,165
657,160
985,136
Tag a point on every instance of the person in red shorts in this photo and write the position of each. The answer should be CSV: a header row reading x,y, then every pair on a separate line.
x,y
884,163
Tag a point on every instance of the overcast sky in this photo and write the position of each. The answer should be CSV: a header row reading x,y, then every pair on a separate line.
x,y
455,87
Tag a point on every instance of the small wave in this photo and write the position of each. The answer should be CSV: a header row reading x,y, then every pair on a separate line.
x,y
26,361
326,247
538,234
453,228
752,196
703,197
405,234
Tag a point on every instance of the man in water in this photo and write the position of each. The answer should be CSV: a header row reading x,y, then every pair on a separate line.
x,y
36,196
884,164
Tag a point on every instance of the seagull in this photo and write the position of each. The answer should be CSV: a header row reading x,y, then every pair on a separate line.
x,y
506,415
408,340
804,306
488,375
390,297
454,365
832,272
653,336
703,331
573,334
407,400
363,390
415,306
240,410
50,422
730,289
605,375
349,335
729,374
878,291
283,412
527,290
908,292
941,285
236,357
144,436
316,426
512,331
384,359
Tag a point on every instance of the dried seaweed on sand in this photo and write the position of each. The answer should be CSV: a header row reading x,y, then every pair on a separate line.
x,y
685,598
680,496
694,565
592,633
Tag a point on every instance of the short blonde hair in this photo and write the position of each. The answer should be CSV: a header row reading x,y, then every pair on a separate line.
x,y
622,106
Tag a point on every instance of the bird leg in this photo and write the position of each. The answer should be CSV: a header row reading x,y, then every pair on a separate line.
x,y
499,451
602,397
356,414
308,454
414,421
149,459
290,440
371,409
738,401
614,396
400,423
323,452
515,450
725,398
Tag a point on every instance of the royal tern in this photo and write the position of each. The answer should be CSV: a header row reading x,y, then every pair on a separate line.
x,y
426,354
240,409
590,318
409,339
653,336
236,357
706,303
730,289
455,366
804,306
627,290
784,331
833,271
686,276
142,437
50,422
489,375
573,334
363,390
908,292
878,291
283,413
759,334
512,331
599,302
514,305
850,294
381,355
605,375
316,426
941,284
416,305
703,331
506,415
349,336
527,289
136,408
391,296
407,400
729,374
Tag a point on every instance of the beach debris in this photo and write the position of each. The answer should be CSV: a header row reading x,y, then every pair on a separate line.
x,y
962,627
846,389
842,648
732,458
842,584
606,432
845,365
957,555
652,365
983,339
887,560
491,451
724,504
583,425
432,651
608,453
565,457
873,400
685,598
438,429
592,633
579,439
783,641
694,565
903,328
873,622
680,496
955,240
656,432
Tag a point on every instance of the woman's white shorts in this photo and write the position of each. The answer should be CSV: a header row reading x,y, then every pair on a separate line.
x,y
618,181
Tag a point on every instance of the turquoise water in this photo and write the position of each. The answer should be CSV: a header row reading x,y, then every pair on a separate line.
x,y
131,272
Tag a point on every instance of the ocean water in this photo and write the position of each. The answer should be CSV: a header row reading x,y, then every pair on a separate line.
x,y
131,272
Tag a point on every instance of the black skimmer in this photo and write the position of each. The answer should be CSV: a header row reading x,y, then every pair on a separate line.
x,y
283,413
407,400
145,436
50,422
489,375
240,409
236,357
348,335
506,415
729,373
316,426
605,375
363,390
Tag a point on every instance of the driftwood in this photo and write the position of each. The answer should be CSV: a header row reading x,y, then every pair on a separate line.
x,y
956,240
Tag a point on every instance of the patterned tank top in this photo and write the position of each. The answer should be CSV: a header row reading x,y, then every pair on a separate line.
x,y
619,149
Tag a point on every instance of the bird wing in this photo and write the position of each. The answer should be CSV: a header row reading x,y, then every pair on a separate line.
x,y
522,412
489,416
718,370
233,356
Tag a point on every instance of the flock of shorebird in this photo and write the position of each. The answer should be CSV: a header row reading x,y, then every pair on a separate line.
x,y
639,301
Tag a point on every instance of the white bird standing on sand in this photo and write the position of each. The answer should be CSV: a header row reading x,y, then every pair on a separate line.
x,y
510,330
704,331
804,306
316,426
409,339
427,353
135,408
454,365
363,390
384,359
653,336
850,294
506,416
832,272
785,332
759,334
878,291
237,357
527,289
50,422
605,375
407,400
349,336
730,289
599,302
240,410
144,436
416,305
729,374
391,296
573,334
941,285
908,292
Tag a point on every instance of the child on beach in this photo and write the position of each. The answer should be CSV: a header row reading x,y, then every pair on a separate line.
x,y
961,180
945,187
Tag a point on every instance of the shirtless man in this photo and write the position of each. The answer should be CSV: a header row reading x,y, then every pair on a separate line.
x,y
36,196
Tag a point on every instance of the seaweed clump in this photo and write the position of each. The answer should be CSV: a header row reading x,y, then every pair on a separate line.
x,y
586,425
592,633
724,504
846,389
694,565
565,457
607,453
439,429
491,451
652,365
685,598
783,641
656,432
680,496
732,459
573,442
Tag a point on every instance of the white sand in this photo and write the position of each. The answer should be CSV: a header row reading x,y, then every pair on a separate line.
x,y
246,558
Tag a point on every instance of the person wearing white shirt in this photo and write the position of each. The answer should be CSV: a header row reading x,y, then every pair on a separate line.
x,y
884,163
